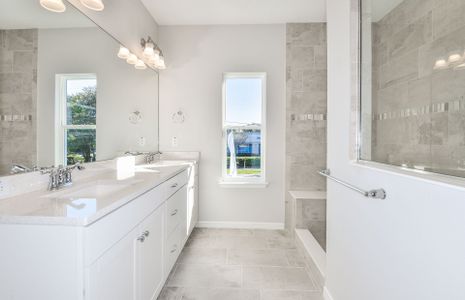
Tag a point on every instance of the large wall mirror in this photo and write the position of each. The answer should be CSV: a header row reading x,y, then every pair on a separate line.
x,y
65,96
413,84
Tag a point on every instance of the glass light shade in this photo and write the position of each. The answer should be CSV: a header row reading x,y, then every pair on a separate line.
x,y
454,57
154,58
148,50
53,5
132,59
140,65
96,5
460,67
441,64
161,63
123,52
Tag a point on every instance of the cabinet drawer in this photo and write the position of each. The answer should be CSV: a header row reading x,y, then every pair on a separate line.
x,y
173,247
176,210
172,185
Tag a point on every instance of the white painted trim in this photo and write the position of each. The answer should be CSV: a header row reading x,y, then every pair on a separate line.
x,y
242,184
240,225
313,249
326,294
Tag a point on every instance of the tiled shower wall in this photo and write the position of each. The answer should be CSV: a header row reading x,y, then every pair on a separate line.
x,y
419,111
18,98
306,122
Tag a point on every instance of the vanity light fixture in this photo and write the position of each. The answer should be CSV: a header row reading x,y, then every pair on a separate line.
x,y
132,59
96,5
161,63
140,65
123,52
53,5
153,53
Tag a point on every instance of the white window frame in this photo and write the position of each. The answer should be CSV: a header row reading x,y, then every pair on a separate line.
x,y
61,114
239,181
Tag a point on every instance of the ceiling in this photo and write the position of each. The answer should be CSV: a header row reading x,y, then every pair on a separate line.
x,y
210,12
23,14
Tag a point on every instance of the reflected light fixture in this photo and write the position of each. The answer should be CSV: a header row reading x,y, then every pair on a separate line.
x,y
132,59
454,57
123,52
96,5
53,5
460,67
441,64
140,65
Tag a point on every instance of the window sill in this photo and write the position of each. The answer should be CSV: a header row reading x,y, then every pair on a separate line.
x,y
242,184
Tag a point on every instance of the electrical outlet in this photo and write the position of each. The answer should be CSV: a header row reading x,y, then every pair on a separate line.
x,y
142,141
174,141
3,188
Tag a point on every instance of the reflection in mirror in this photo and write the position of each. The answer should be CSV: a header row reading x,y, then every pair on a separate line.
x,y
65,96
413,84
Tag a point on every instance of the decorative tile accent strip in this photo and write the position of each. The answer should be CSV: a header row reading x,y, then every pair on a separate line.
x,y
452,106
308,117
14,118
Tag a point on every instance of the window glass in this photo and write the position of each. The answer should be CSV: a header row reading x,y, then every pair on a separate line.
x,y
81,96
243,100
80,145
246,145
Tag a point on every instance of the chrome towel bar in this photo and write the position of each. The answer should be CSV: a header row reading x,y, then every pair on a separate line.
x,y
376,194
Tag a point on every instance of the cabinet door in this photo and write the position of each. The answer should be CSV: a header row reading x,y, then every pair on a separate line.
x,y
112,276
150,256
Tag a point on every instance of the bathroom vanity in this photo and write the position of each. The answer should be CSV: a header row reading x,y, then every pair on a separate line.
x,y
102,238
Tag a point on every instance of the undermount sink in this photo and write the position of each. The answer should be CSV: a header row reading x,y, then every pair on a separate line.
x,y
167,163
91,191
147,169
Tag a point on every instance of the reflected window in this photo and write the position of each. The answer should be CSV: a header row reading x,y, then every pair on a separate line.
x,y
243,127
76,112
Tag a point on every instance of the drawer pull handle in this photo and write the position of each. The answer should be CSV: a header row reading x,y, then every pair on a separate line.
x,y
141,239
175,212
174,249
146,233
175,185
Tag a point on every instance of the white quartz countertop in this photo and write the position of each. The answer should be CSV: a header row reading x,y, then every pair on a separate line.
x,y
88,199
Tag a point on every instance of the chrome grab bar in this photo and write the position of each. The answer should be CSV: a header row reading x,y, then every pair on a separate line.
x,y
376,194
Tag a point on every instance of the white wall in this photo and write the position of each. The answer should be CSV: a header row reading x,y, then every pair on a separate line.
x,y
410,246
197,56
121,89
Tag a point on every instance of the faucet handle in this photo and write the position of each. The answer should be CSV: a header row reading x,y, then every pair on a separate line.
x,y
47,170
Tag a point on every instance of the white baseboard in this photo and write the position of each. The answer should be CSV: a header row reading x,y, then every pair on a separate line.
x,y
327,294
240,225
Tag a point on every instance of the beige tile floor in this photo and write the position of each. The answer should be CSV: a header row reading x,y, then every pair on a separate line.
x,y
240,264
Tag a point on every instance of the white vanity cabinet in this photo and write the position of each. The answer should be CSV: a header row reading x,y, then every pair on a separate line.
x,y
133,267
125,255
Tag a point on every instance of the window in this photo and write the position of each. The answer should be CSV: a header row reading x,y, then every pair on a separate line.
x,y
244,127
76,118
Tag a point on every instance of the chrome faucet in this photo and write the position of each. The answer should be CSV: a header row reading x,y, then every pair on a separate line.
x,y
61,176
150,157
